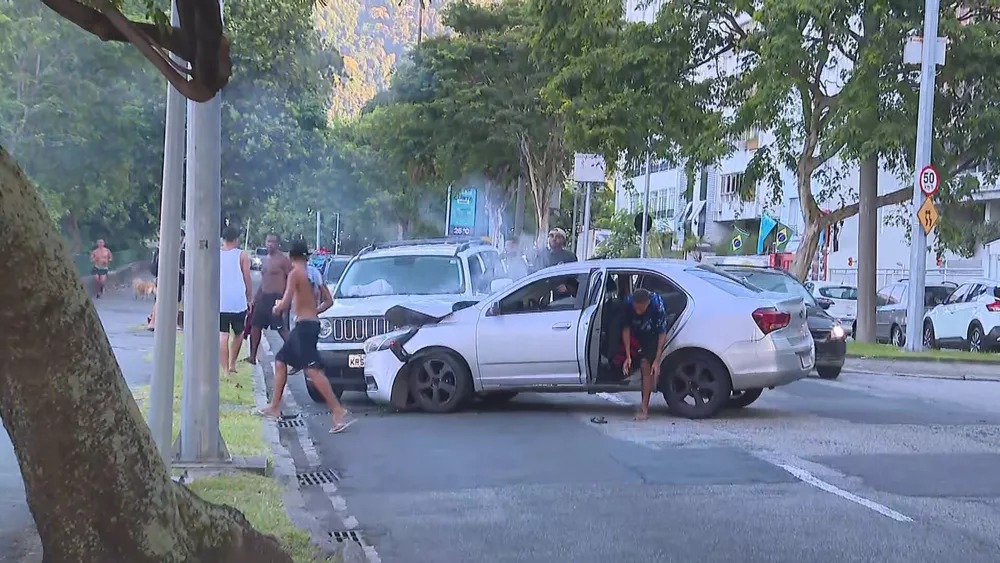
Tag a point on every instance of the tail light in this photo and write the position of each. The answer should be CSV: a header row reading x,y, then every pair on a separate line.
x,y
770,319
994,307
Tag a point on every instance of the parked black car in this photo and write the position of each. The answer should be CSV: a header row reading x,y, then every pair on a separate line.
x,y
830,337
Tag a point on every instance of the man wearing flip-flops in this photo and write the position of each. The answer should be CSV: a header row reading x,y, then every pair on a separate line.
x,y
310,296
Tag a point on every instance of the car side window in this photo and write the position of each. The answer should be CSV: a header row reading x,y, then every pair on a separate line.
x,y
958,295
976,292
896,294
480,273
564,292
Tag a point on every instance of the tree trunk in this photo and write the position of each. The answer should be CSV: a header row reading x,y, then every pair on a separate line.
x,y
808,244
96,485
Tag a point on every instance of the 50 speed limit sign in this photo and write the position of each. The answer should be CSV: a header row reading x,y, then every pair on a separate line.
x,y
929,180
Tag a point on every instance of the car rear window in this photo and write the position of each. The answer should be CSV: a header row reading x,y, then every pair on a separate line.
x,y
721,280
839,292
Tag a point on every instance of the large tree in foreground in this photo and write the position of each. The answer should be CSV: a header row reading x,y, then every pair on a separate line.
x,y
94,481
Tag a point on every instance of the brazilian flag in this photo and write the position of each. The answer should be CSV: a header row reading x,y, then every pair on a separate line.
x,y
782,234
740,241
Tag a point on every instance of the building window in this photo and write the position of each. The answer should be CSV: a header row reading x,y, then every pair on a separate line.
x,y
731,185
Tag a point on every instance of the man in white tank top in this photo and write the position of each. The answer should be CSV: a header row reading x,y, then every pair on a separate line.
x,y
234,297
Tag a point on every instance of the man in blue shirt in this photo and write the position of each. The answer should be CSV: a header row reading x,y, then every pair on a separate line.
x,y
646,320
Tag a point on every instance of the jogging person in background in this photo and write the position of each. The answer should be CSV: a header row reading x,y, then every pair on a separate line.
x,y
646,321
308,294
234,297
274,270
101,258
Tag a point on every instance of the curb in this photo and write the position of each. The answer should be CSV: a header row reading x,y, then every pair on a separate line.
x,y
284,464
927,360
989,378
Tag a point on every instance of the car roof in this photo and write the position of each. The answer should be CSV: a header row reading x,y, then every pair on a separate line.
x,y
426,247
660,264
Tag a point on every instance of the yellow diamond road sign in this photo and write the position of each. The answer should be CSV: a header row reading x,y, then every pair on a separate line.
x,y
928,215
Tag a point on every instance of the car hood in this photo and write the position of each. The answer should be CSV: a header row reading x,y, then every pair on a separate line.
x,y
378,305
819,319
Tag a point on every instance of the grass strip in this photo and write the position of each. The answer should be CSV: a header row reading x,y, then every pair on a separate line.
x,y
889,352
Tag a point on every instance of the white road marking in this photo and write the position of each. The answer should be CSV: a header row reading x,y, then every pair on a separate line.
x,y
809,479
614,398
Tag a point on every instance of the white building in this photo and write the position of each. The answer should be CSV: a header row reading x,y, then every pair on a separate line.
x,y
715,206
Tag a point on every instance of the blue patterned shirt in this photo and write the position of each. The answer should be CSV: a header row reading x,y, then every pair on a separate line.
x,y
650,324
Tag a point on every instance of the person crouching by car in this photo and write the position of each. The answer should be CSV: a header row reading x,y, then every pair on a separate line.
x,y
646,320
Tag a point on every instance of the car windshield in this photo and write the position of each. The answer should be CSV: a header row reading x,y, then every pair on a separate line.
x,y
778,283
402,275
724,281
261,251
336,269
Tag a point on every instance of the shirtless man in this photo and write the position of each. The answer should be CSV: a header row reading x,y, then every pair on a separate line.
x,y
310,297
101,258
274,270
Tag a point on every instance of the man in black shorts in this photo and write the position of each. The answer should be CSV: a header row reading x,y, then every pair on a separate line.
x,y
274,270
646,319
308,293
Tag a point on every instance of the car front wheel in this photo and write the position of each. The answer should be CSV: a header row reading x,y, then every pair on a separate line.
x,y
829,372
440,382
896,336
315,396
744,398
698,386
975,338
928,336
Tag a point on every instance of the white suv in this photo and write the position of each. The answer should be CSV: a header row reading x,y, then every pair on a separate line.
x,y
435,272
968,319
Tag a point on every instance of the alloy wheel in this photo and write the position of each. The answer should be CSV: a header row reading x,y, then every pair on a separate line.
x,y
436,382
975,340
897,337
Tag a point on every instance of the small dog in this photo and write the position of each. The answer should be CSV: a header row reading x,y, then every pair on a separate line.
x,y
143,288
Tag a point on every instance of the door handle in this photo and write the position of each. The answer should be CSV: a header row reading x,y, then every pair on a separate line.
x,y
561,326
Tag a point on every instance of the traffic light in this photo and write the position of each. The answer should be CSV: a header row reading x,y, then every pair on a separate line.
x,y
638,222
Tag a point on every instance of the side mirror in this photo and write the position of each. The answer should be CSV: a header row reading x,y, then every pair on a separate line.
x,y
494,309
498,284
824,303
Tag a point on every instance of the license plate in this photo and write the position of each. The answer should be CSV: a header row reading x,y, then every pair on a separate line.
x,y
807,360
356,361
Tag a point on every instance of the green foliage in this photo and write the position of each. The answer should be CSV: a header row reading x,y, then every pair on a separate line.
x,y
624,242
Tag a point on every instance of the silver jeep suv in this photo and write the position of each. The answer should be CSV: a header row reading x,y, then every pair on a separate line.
x,y
436,272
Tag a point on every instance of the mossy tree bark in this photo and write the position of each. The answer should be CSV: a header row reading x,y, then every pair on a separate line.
x,y
96,486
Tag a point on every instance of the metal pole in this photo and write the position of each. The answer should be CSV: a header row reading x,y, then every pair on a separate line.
x,y
318,223
336,243
200,440
161,388
645,209
447,213
246,244
586,220
572,231
867,250
925,134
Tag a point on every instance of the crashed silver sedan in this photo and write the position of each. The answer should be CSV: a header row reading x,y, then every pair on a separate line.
x,y
726,340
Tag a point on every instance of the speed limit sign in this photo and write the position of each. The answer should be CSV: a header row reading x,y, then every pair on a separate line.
x,y
929,180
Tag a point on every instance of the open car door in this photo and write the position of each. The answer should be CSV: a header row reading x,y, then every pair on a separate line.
x,y
589,336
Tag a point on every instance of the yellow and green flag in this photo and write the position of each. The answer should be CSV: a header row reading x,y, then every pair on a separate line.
x,y
782,234
740,240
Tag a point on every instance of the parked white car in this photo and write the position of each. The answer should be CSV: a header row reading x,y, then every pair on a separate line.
x,y
843,300
726,341
432,271
968,319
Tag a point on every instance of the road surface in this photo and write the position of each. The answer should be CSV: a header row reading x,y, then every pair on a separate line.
x,y
866,468
124,320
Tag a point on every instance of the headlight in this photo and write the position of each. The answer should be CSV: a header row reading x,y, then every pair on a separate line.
x,y
384,341
325,329
838,332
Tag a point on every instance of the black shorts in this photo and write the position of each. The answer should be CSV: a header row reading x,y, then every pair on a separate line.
x,y
647,347
299,351
99,271
232,323
263,313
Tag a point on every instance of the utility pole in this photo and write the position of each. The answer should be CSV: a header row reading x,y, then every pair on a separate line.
x,y
447,214
645,208
246,245
200,440
572,231
161,388
925,134
867,249
336,241
420,21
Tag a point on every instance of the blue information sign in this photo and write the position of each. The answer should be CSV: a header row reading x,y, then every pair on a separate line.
x,y
463,213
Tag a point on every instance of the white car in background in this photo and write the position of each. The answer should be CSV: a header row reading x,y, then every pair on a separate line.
x,y
968,319
560,330
843,299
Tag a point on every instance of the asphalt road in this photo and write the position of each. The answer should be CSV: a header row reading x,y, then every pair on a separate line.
x,y
124,319
866,468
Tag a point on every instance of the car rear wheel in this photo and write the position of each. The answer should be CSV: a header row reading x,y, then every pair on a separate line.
x,y
440,382
975,338
496,398
896,336
928,336
698,386
744,398
315,396
829,372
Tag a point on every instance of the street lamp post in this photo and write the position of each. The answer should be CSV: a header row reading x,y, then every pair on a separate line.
x,y
925,134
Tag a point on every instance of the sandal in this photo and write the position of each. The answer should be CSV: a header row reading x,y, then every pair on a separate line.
x,y
342,426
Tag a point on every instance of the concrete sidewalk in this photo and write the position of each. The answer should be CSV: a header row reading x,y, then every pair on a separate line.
x,y
124,320
916,368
